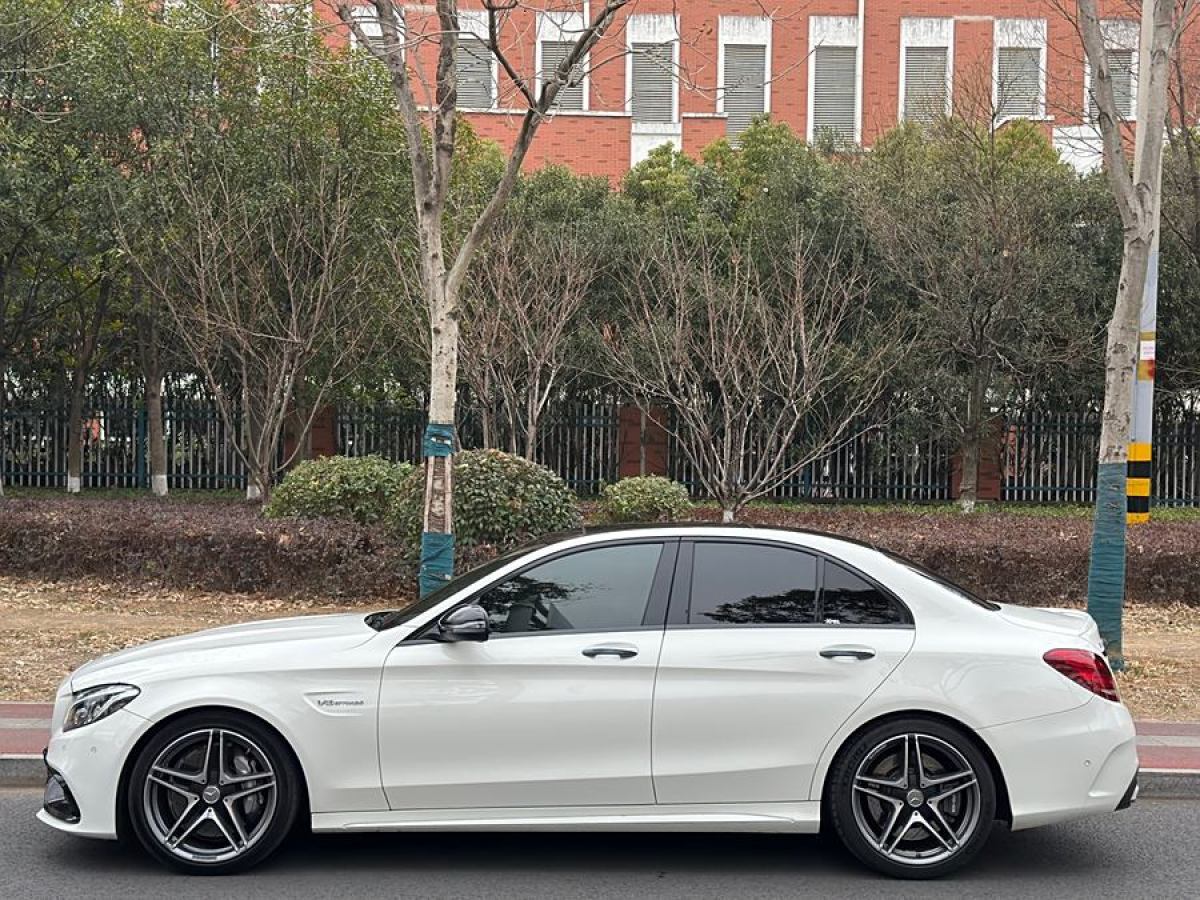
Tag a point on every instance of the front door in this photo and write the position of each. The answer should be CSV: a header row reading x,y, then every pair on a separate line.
x,y
767,654
554,709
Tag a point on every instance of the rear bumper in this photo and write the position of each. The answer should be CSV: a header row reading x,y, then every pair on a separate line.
x,y
1131,795
1070,764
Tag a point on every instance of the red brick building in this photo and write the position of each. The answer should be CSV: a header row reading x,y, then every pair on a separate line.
x,y
686,73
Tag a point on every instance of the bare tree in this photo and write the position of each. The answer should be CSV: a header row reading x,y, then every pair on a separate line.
x,y
762,372
272,301
443,270
520,315
1137,198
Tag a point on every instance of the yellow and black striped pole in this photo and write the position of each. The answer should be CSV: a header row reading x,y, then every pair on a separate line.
x,y
1139,476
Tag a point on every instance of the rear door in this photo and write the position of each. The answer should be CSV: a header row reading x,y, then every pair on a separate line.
x,y
768,650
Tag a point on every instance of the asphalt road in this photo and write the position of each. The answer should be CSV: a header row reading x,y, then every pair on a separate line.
x,y
1151,850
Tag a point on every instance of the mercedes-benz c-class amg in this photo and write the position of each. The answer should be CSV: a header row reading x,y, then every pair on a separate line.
x,y
678,678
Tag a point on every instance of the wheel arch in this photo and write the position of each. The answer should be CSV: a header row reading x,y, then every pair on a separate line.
x,y
1003,804
122,810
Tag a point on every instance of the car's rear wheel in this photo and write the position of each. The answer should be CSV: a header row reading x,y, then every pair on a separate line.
x,y
912,798
213,793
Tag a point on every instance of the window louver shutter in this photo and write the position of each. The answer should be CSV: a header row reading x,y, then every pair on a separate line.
x,y
473,65
924,83
834,77
570,96
653,83
1019,70
745,85
1120,66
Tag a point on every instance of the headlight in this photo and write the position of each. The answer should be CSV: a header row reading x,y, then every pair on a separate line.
x,y
95,703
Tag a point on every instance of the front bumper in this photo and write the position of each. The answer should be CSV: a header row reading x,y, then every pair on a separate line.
x,y
89,762
1070,764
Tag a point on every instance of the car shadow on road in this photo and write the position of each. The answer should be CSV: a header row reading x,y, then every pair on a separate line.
x,y
1035,855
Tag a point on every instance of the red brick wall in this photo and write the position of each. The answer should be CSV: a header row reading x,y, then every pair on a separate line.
x,y
598,141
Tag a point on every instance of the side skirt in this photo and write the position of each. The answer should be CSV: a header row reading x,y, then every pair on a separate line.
x,y
804,818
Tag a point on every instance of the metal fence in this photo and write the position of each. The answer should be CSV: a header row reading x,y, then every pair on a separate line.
x,y
874,465
1043,458
1052,459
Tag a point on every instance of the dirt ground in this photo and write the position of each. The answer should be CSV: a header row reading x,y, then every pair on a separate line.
x,y
48,628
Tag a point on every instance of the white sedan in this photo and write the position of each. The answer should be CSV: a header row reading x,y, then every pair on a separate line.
x,y
681,678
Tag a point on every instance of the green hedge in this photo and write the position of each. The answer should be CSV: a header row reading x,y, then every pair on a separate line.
x,y
644,498
361,489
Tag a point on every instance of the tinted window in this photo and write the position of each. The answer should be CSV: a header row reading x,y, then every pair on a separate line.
x,y
607,587
847,599
749,584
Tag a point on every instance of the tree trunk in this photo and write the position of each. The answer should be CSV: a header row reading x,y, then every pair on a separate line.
x,y
152,374
437,531
75,429
1106,568
968,485
154,436
728,512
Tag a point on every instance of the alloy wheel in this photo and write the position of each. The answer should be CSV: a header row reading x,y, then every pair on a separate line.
x,y
916,799
210,795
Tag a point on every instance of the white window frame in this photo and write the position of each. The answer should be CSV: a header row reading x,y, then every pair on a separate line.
x,y
744,30
474,23
1119,34
835,31
917,31
564,26
1027,34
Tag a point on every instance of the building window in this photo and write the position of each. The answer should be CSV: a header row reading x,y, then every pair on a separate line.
x,y
833,79
745,71
473,62
1020,68
653,98
368,20
557,34
1120,44
554,53
925,68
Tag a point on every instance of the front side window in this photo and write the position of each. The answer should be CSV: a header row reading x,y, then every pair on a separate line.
x,y
750,584
848,599
603,588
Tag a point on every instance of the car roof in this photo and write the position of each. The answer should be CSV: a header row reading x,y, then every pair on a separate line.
x,y
686,528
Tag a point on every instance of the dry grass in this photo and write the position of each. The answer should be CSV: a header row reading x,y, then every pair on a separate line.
x,y
48,628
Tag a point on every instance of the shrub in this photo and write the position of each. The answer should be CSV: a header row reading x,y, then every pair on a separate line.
x,y
644,498
499,499
175,543
340,487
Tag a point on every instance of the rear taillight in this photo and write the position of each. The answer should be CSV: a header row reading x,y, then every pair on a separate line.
x,y
1087,669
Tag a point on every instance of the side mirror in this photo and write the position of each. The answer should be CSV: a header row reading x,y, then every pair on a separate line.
x,y
467,623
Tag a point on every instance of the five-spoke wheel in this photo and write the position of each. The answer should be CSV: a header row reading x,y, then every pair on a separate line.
x,y
913,798
213,793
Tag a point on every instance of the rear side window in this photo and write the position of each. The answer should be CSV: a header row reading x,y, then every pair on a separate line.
x,y
847,599
751,584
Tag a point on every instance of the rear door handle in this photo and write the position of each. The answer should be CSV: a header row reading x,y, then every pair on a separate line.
x,y
620,651
848,653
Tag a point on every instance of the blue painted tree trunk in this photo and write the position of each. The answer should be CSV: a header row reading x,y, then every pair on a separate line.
x,y
437,547
1106,570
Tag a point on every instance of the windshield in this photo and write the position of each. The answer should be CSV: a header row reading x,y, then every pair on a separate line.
x,y
381,621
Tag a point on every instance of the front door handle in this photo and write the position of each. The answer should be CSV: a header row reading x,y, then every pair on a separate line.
x,y
620,651
848,653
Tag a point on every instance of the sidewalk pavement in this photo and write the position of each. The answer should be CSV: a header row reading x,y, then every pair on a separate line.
x,y
1169,751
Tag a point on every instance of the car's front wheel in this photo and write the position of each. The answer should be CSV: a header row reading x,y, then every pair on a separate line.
x,y
213,793
913,798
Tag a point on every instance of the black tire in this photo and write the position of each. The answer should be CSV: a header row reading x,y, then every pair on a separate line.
x,y
931,835
258,793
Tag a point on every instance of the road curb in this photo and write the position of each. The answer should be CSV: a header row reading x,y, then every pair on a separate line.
x,y
28,770
22,770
